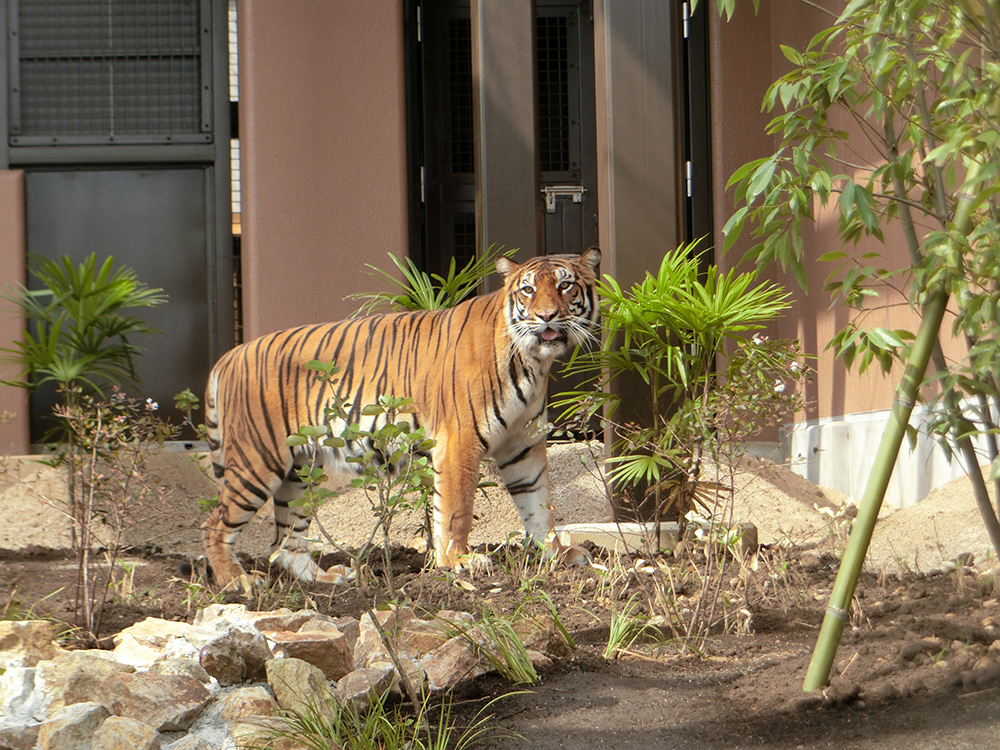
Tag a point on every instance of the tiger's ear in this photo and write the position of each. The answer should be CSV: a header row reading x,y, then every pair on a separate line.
x,y
506,266
592,258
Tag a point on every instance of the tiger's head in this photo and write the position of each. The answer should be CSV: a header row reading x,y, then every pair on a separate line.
x,y
550,302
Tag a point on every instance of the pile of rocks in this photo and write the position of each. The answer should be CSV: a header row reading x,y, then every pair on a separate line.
x,y
219,681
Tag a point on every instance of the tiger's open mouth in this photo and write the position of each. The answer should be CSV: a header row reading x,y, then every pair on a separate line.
x,y
552,335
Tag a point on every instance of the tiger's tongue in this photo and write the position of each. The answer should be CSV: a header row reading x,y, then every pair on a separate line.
x,y
550,334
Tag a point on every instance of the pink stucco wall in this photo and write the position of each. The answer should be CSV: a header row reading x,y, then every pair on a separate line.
x,y
13,401
322,130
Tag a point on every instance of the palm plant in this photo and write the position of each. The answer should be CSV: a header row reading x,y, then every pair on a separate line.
x,y
418,290
673,331
78,333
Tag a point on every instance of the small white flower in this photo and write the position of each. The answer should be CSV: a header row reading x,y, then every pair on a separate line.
x,y
779,387
794,366
757,339
151,405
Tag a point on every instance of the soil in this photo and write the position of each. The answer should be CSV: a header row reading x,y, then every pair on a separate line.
x,y
918,664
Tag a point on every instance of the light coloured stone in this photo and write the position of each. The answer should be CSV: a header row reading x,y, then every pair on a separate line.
x,y
143,643
73,677
18,699
123,733
25,643
190,742
165,702
286,619
72,727
181,666
236,656
255,700
328,651
452,663
16,736
255,732
364,686
299,686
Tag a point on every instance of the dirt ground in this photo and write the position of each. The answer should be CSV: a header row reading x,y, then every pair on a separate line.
x,y
918,666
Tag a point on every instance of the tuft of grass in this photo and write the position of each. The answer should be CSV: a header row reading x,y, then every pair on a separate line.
x,y
626,628
494,639
332,724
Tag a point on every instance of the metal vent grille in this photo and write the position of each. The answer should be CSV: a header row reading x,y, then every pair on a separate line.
x,y
465,238
553,93
101,71
460,95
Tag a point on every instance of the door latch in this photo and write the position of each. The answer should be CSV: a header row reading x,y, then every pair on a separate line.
x,y
551,192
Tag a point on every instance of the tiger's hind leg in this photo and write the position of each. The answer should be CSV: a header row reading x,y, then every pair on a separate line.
x,y
290,549
223,526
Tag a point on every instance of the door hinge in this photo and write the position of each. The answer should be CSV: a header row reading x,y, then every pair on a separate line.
x,y
422,174
689,177
420,27
687,19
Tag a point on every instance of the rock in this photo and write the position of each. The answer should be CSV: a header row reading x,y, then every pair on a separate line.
x,y
14,736
538,659
165,702
420,637
72,727
748,539
364,686
182,667
842,690
25,643
190,742
18,698
286,619
221,616
451,663
349,626
73,677
123,733
144,643
329,651
236,656
298,685
248,701
255,732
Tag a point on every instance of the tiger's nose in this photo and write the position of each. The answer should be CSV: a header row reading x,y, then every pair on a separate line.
x,y
546,315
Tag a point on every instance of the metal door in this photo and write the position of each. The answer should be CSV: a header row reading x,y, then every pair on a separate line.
x,y
154,221
566,130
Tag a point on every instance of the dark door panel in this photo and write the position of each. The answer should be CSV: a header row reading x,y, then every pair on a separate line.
x,y
155,221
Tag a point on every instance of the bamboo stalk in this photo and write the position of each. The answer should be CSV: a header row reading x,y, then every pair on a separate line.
x,y
885,460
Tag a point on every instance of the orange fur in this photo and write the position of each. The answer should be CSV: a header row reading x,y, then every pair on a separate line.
x,y
477,375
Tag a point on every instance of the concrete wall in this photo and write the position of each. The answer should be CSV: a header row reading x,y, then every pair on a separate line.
x,y
14,401
323,154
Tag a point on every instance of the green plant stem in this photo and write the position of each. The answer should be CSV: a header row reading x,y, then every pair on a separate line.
x,y
885,460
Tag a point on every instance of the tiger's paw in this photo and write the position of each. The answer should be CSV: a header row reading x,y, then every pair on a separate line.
x,y
474,563
336,575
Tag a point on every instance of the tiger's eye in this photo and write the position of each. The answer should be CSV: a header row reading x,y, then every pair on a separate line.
x,y
527,290
565,286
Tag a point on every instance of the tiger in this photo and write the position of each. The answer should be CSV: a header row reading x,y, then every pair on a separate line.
x,y
477,375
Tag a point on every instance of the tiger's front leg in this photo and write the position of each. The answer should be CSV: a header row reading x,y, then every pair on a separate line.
x,y
526,476
457,468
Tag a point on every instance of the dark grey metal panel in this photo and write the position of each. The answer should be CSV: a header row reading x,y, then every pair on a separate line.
x,y
108,71
156,221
